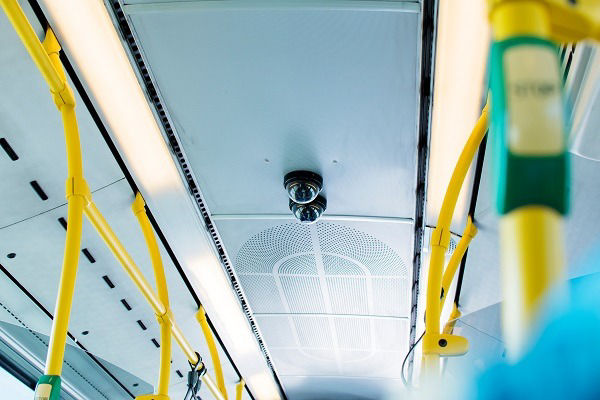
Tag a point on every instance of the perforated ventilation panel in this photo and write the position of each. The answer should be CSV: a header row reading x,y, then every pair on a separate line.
x,y
330,299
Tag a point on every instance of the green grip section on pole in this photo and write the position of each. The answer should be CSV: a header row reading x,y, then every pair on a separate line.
x,y
527,176
48,388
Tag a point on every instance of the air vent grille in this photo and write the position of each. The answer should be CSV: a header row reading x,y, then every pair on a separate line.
x,y
323,292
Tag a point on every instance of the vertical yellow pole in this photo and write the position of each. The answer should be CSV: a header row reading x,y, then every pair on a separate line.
x,y
76,203
532,261
239,389
531,131
440,241
164,372
138,208
62,310
214,354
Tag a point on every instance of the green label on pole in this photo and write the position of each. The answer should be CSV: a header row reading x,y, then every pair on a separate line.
x,y
528,125
48,388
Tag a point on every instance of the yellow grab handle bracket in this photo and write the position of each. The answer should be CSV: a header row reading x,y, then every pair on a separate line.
x,y
563,22
445,345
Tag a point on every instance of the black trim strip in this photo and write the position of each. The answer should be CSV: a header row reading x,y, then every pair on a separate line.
x,y
38,190
428,40
472,206
63,222
88,255
10,152
141,324
126,305
108,281
78,86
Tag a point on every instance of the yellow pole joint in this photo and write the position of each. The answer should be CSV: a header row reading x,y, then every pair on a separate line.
x,y
454,316
63,94
440,237
138,205
78,187
165,318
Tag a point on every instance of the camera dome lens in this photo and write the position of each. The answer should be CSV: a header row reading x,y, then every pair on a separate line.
x,y
302,186
302,192
309,213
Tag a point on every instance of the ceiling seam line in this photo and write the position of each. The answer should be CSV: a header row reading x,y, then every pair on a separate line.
x,y
55,208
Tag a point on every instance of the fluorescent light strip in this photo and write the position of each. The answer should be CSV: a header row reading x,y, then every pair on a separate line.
x,y
86,31
461,54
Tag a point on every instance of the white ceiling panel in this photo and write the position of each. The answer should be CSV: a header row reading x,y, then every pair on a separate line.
x,y
271,89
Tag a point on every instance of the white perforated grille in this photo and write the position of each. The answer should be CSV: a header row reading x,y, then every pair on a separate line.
x,y
328,296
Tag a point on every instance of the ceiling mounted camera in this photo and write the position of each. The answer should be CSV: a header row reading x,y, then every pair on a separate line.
x,y
302,186
309,213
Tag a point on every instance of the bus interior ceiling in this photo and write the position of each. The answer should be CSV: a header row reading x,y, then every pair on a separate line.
x,y
242,93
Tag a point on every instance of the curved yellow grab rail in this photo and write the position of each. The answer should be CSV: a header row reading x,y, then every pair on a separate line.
x,y
212,348
139,210
435,343
468,235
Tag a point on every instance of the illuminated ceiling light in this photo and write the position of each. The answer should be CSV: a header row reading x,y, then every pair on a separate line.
x,y
88,35
463,38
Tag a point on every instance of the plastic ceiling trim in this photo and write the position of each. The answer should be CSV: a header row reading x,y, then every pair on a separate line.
x,y
132,47
429,16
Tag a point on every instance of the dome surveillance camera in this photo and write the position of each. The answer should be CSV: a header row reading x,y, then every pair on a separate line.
x,y
302,186
309,213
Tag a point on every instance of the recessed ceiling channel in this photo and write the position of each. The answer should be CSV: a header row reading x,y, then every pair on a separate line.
x,y
326,87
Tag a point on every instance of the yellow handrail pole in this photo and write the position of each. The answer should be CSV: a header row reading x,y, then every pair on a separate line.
x,y
212,387
239,389
113,243
469,233
439,245
452,319
23,28
139,210
115,246
532,258
62,310
214,354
